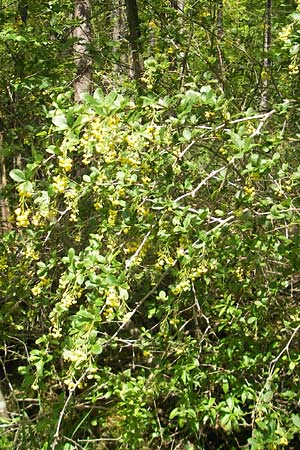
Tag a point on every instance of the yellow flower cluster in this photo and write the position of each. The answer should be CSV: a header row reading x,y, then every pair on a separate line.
x,y
22,217
143,211
112,217
285,33
70,384
75,355
249,190
31,253
198,271
67,300
101,138
65,163
112,298
23,192
133,141
56,330
209,114
182,286
164,259
38,288
293,68
60,183
3,262
131,247
130,160
240,273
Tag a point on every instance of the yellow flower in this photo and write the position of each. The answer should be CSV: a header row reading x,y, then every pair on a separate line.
x,y
60,183
112,217
112,298
249,190
22,192
3,263
74,355
31,253
70,384
36,290
208,114
65,163
67,300
36,220
22,217
285,33
152,24
293,69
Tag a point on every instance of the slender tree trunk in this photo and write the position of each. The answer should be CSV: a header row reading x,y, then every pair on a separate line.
x,y
82,33
134,36
265,75
220,30
220,35
118,20
177,4
4,208
3,408
23,10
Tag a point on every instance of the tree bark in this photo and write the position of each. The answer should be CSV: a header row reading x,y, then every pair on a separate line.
x,y
134,36
82,33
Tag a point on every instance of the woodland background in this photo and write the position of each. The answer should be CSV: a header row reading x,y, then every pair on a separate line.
x,y
150,199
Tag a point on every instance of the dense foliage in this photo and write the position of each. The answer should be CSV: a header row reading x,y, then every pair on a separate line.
x,y
150,262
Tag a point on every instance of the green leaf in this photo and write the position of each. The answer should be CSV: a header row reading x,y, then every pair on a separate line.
x,y
225,386
80,278
71,254
268,396
236,140
230,403
17,175
296,420
97,348
174,413
26,187
60,121
226,422
187,134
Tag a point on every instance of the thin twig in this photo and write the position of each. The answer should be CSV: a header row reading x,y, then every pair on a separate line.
x,y
62,413
285,348
203,182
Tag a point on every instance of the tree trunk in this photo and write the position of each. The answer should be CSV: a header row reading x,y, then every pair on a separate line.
x,y
220,30
4,208
118,20
220,35
82,33
134,35
177,4
3,408
265,74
